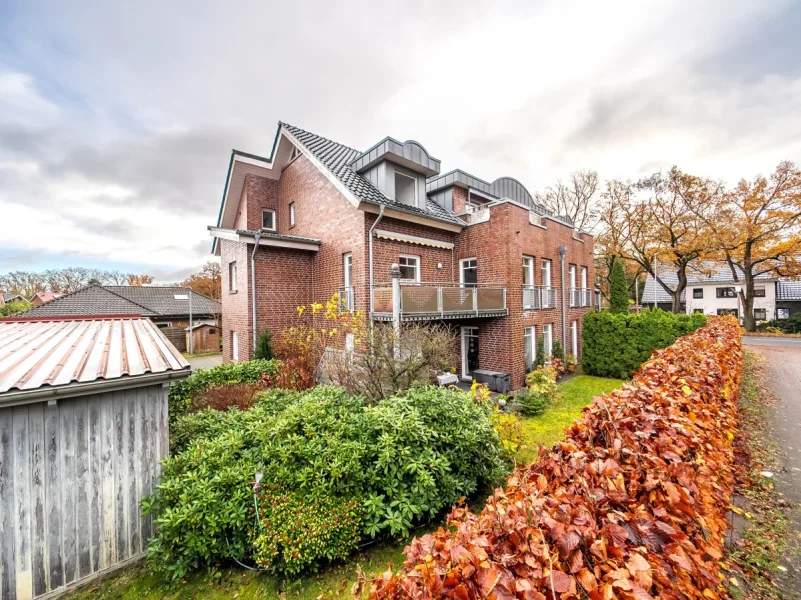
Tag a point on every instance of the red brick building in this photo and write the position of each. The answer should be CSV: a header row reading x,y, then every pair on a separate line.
x,y
317,217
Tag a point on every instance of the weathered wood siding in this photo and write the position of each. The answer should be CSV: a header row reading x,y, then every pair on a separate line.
x,y
71,478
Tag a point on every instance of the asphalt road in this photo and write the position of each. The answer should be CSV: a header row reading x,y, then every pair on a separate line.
x,y
786,342
784,369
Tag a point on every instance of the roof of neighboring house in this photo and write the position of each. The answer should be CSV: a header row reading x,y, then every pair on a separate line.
x,y
45,297
151,301
705,274
42,356
337,158
788,289
10,297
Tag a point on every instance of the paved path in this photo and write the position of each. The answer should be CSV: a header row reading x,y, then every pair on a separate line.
x,y
204,362
784,367
786,342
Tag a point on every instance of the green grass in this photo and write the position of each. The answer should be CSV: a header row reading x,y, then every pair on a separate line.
x,y
572,396
139,583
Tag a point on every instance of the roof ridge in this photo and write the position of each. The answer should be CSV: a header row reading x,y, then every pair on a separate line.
x,y
322,137
128,299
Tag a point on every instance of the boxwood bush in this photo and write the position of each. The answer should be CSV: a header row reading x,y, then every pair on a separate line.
x,y
615,345
402,460
183,392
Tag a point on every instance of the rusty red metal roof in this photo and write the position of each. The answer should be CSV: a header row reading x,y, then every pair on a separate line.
x,y
59,352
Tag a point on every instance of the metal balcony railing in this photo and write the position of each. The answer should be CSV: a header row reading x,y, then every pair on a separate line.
x,y
347,299
536,297
441,300
580,297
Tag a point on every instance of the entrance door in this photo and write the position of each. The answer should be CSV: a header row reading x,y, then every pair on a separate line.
x,y
469,351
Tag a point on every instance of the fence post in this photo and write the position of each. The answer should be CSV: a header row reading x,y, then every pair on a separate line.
x,y
395,274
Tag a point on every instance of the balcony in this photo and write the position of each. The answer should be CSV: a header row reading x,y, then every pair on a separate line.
x,y
580,297
538,297
427,301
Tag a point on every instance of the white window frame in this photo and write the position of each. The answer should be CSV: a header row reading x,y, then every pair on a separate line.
x,y
294,153
583,278
530,345
267,210
547,332
291,214
572,271
462,263
234,346
347,269
467,331
545,269
415,184
417,269
232,277
574,338
764,310
528,268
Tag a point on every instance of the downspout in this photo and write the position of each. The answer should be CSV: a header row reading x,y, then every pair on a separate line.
x,y
562,253
370,249
253,290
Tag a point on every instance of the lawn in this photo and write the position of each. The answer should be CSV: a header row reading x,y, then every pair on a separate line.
x,y
138,583
573,396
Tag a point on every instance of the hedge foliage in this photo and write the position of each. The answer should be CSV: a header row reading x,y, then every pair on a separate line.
x,y
183,392
615,345
632,505
402,459
618,289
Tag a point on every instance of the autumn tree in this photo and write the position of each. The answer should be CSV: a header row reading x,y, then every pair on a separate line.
x,y
207,281
65,280
139,280
657,225
757,228
576,199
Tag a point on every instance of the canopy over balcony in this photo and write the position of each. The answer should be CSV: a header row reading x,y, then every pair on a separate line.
x,y
429,301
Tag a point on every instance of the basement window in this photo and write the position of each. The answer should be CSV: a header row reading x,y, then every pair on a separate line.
x,y
405,189
268,219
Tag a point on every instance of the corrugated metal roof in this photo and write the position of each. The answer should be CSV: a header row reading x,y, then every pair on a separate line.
x,y
70,351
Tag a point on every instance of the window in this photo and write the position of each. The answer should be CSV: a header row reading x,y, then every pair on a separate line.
x,y
528,270
759,292
529,347
468,271
782,313
727,311
547,331
698,292
574,301
584,278
268,219
347,297
232,276
547,300
727,292
546,272
291,214
405,189
574,349
350,343
234,345
409,268
163,325
698,310
572,276
760,314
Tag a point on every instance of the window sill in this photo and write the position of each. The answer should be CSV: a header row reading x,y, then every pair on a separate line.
x,y
232,291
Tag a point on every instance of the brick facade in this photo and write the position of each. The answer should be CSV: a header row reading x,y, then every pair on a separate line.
x,y
287,278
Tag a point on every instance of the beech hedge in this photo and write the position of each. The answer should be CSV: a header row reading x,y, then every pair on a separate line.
x,y
632,505
615,345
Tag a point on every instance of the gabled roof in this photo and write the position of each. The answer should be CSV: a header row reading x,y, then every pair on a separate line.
x,y
337,159
150,301
45,356
788,289
707,273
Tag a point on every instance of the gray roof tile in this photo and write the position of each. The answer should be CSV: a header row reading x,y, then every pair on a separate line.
x,y
703,274
788,289
337,158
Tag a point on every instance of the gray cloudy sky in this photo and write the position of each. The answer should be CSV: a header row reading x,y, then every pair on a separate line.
x,y
117,118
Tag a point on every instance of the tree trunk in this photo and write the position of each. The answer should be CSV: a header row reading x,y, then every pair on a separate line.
x,y
747,298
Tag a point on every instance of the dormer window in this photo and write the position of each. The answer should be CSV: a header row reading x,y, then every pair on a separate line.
x,y
268,219
405,189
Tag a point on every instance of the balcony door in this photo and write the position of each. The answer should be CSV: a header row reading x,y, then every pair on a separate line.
x,y
546,283
584,292
528,282
573,291
469,351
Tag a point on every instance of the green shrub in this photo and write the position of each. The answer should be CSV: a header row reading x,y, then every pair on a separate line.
x,y
296,534
618,289
615,345
540,391
404,459
182,393
791,325
539,360
557,351
264,347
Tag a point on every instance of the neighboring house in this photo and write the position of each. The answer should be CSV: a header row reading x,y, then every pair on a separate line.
x,y
318,217
158,303
8,298
711,289
83,429
42,297
788,298
205,337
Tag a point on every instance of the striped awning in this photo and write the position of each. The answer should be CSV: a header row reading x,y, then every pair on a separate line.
x,y
412,239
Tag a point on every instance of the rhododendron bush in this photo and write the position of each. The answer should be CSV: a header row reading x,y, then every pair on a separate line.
x,y
631,505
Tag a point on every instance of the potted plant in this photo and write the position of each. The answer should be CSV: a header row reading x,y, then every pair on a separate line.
x,y
570,363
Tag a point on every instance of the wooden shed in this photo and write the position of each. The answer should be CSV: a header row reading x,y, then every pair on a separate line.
x,y
205,337
83,427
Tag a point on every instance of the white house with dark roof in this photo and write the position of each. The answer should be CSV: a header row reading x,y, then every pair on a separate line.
x,y
712,290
